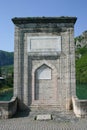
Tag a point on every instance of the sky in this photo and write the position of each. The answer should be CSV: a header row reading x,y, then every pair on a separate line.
x,y
34,8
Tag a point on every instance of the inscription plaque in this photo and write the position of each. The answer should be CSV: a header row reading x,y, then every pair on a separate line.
x,y
42,43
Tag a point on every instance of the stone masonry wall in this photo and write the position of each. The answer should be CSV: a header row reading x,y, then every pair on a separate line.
x,y
62,63
8,108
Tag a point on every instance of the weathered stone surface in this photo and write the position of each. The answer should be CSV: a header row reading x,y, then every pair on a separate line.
x,y
44,42
8,108
44,117
79,107
44,20
61,121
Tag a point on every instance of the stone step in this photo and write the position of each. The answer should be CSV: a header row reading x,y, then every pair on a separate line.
x,y
45,107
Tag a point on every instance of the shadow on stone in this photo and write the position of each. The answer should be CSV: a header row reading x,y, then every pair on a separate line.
x,y
22,113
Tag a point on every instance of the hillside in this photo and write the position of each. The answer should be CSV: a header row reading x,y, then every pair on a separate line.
x,y
6,69
81,40
81,58
6,58
81,65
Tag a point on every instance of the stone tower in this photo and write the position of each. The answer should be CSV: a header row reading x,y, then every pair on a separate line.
x,y
44,62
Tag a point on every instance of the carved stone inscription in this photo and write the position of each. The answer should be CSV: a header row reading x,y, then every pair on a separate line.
x,y
42,43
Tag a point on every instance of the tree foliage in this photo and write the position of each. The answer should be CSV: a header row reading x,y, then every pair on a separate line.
x,y
81,65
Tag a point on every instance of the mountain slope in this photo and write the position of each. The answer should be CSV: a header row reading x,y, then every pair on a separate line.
x,y
6,58
81,41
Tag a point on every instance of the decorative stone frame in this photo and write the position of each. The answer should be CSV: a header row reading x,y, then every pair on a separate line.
x,y
44,72
54,76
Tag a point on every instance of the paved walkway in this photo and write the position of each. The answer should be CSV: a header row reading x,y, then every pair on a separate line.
x,y
59,122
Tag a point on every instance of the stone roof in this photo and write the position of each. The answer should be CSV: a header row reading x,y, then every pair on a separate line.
x,y
26,20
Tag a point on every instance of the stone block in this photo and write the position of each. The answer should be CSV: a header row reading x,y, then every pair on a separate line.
x,y
44,117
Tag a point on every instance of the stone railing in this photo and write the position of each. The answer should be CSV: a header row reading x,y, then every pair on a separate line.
x,y
8,108
79,107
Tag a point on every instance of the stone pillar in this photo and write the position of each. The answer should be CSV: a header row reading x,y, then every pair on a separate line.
x,y
45,41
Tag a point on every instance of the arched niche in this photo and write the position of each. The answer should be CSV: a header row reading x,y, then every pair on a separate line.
x,y
43,72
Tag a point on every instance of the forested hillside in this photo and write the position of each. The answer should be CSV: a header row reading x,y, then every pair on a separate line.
x,y
81,58
6,58
81,65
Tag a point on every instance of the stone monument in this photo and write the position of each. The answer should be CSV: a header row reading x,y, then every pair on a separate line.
x,y
44,62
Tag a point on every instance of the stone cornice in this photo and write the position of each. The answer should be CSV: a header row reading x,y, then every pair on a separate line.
x,y
26,20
